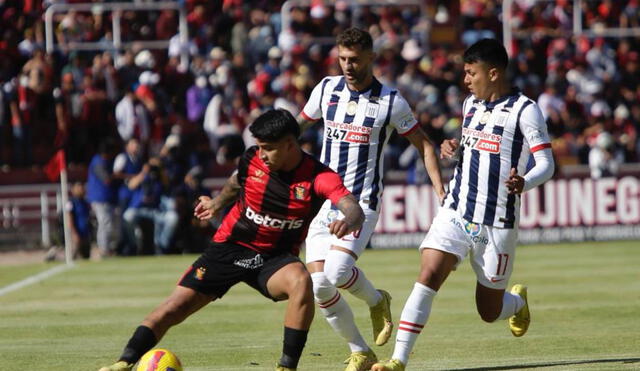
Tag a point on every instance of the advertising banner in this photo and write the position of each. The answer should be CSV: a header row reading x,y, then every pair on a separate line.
x,y
578,209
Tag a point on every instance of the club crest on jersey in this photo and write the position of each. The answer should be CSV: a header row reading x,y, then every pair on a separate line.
x,y
200,273
259,173
372,110
299,192
352,107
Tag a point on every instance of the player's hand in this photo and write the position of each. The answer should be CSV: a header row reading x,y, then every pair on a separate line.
x,y
204,209
515,183
339,228
448,148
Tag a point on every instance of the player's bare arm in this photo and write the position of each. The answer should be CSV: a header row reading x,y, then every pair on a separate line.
x,y
448,148
427,150
208,208
353,217
305,123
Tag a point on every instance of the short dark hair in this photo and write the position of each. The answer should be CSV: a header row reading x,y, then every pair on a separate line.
x,y
273,125
355,37
489,51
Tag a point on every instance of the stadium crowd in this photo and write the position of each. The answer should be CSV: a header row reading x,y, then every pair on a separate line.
x,y
190,121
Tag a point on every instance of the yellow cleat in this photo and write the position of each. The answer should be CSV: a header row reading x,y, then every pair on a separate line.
x,y
118,366
381,319
390,365
361,361
519,322
282,368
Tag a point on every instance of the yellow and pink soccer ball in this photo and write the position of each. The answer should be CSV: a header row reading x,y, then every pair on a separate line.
x,y
159,360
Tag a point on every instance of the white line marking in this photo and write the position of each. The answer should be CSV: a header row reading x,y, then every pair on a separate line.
x,y
33,279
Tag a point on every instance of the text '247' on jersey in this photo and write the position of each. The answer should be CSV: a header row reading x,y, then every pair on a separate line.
x,y
357,125
496,136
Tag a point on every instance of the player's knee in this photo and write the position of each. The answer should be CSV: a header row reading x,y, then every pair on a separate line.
x,y
323,290
431,278
301,288
338,267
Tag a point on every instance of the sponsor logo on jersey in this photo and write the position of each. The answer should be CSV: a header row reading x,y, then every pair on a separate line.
x,y
257,176
347,132
481,141
299,192
275,223
488,146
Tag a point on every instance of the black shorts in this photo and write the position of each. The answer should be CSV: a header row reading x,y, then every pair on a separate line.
x,y
222,265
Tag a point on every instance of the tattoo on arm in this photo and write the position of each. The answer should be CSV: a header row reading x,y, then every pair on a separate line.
x,y
228,194
353,214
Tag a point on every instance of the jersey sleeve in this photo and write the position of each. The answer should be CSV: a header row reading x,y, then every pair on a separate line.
x,y
402,117
329,185
312,110
534,128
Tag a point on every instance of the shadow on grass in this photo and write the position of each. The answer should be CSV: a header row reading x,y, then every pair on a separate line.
x,y
550,364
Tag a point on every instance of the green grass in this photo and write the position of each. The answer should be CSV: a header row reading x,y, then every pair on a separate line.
x,y
584,300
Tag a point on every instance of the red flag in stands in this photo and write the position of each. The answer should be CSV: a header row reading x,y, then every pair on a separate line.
x,y
53,168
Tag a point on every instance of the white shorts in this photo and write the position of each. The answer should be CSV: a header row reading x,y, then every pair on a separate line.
x,y
492,249
319,240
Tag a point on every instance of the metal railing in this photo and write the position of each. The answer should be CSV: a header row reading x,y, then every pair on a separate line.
x,y
34,206
116,10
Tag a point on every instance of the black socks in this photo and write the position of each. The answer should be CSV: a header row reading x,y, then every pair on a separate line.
x,y
142,341
294,341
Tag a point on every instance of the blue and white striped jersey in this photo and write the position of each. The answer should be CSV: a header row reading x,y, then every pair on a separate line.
x,y
357,126
496,136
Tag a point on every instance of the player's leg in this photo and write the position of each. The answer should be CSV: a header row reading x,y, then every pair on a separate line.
x,y
341,270
176,308
293,282
441,251
494,256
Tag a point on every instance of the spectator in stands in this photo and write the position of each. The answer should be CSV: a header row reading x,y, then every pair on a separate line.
x,y
150,202
101,193
126,166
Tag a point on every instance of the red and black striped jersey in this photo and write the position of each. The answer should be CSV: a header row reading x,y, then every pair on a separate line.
x,y
274,209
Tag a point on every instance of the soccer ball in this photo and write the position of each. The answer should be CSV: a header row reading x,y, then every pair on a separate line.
x,y
159,360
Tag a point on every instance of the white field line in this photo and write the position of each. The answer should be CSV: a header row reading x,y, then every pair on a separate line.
x,y
34,279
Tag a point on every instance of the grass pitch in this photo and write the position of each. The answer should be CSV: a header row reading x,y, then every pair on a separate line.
x,y
584,301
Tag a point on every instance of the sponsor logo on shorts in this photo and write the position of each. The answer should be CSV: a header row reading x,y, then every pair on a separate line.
x,y
199,274
472,228
494,280
255,262
275,223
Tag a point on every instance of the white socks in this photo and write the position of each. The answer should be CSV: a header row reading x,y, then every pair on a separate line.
x,y
511,304
340,269
337,312
412,320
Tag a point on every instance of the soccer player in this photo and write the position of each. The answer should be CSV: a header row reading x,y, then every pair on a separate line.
x,y
359,116
501,128
277,190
